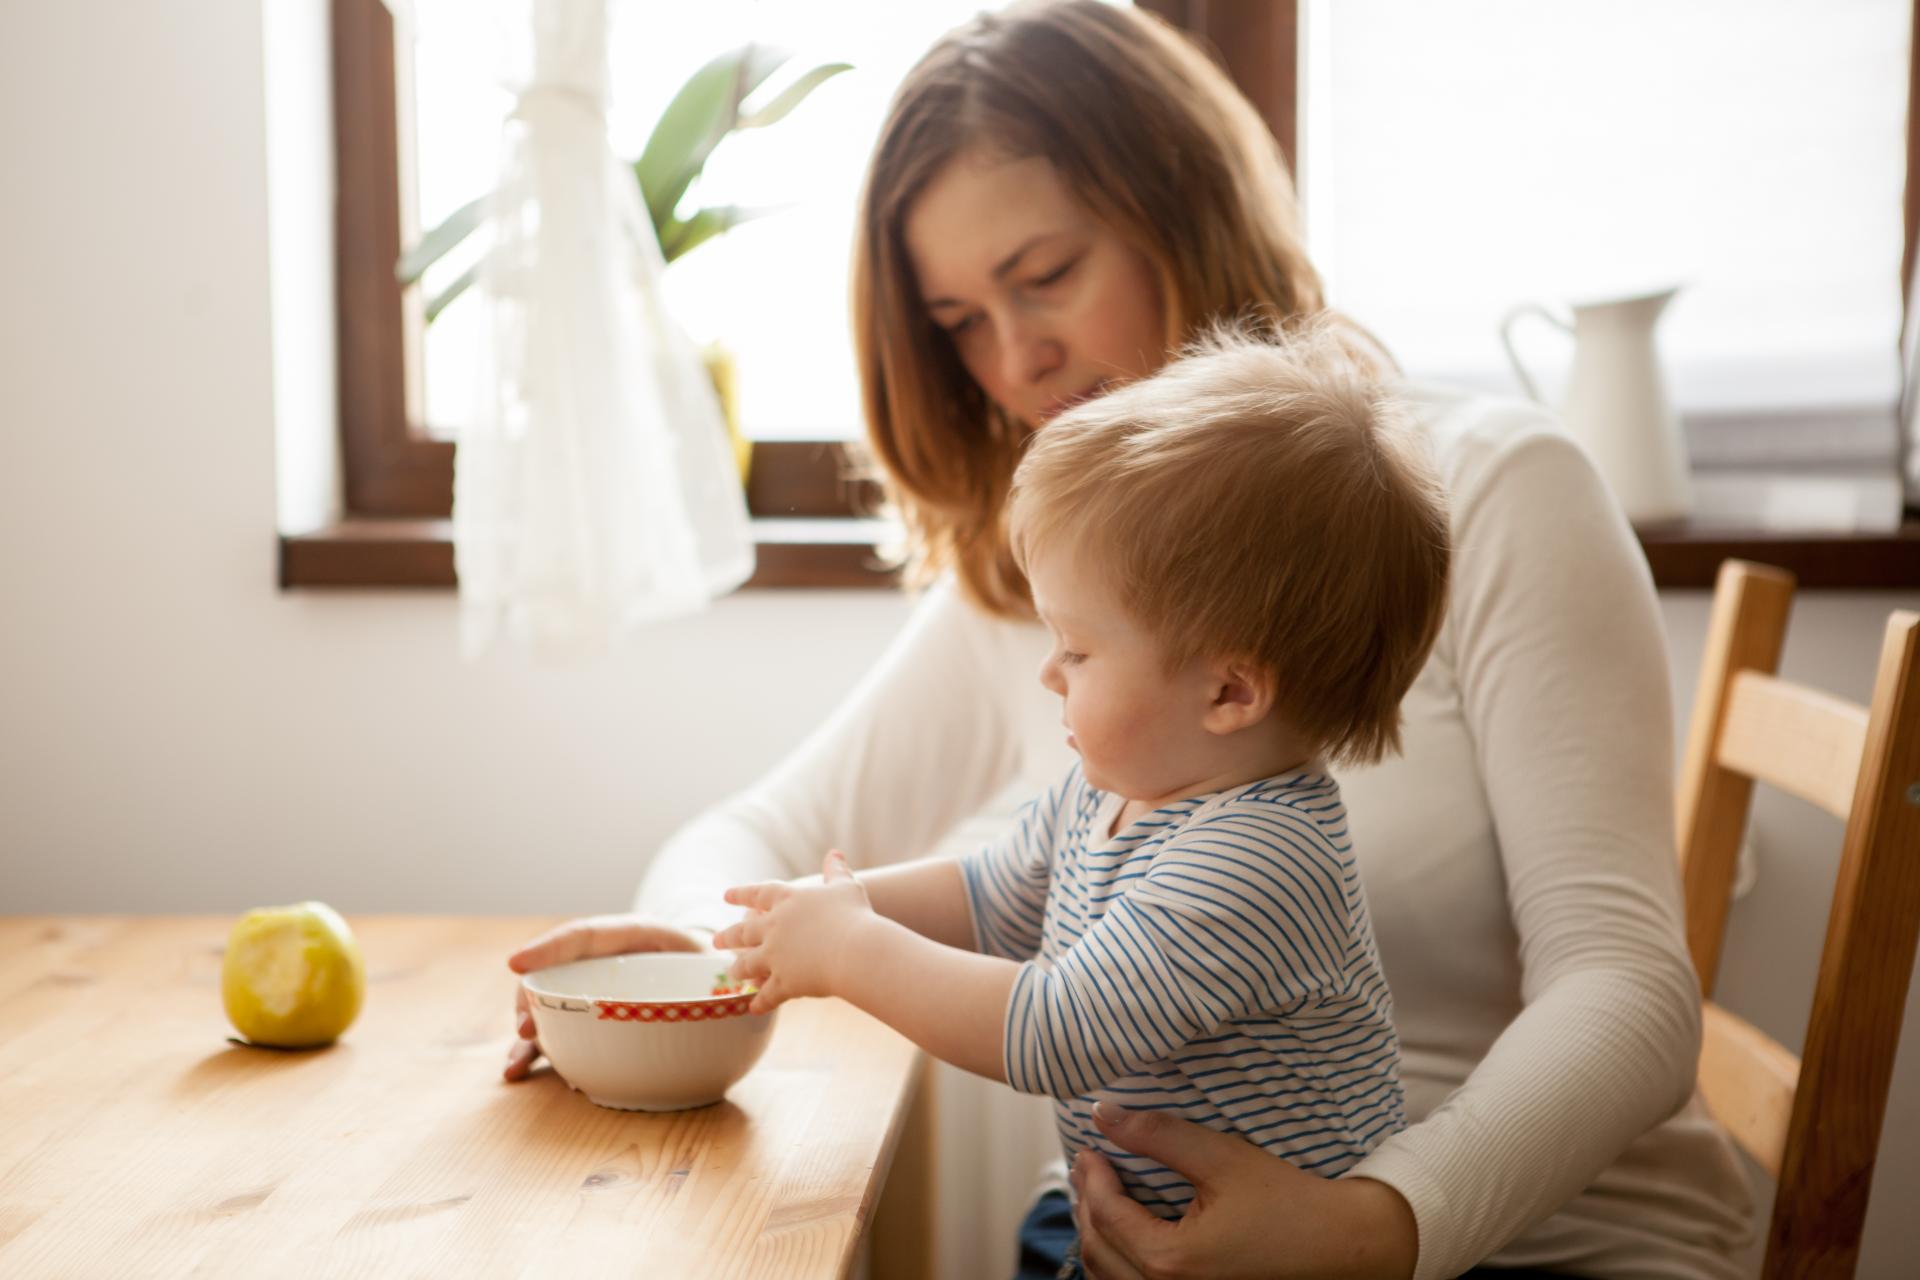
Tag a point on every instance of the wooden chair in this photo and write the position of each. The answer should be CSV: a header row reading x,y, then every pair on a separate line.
x,y
1813,1121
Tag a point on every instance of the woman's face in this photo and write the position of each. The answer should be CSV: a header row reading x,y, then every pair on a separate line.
x,y
1046,305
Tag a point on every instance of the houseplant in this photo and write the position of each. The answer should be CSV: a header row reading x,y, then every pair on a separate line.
x,y
708,108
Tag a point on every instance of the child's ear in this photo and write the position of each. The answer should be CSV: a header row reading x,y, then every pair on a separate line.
x,y
1242,696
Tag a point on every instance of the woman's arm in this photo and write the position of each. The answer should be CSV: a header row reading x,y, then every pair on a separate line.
x,y
921,743
1245,1203
1562,669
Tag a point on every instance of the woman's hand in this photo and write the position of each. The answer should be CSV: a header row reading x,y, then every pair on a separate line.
x,y
797,933
613,935
1253,1214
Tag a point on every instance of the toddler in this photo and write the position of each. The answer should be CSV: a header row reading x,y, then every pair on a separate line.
x,y
1242,562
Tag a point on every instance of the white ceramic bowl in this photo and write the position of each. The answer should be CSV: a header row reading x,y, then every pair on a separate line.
x,y
645,1032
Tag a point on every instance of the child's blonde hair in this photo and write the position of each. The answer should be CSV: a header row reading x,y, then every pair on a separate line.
x,y
1262,497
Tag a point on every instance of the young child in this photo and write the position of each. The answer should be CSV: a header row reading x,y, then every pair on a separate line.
x,y
1242,561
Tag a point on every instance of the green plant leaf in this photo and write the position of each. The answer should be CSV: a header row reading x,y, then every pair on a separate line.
x,y
681,236
442,300
440,241
705,110
792,96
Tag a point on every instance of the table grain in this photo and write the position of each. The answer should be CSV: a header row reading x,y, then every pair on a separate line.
x,y
136,1139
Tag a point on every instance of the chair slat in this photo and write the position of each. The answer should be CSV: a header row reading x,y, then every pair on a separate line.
x,y
1805,742
1862,764
1861,992
1747,1078
1745,633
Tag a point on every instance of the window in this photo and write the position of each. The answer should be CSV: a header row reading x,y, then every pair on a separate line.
x,y
772,290
416,126
1373,224
1462,159
403,385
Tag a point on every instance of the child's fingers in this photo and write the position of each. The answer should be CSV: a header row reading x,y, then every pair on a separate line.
x,y
749,966
750,932
770,997
761,897
836,867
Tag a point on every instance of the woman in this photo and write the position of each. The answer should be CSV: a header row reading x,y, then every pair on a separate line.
x,y
1060,196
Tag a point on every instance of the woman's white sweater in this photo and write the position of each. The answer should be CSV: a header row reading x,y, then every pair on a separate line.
x,y
1518,859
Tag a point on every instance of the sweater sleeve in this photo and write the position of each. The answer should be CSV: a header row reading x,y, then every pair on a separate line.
x,y
1563,678
1007,880
923,741
1236,914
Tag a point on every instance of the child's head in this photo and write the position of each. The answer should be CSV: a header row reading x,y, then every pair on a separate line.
x,y
1261,515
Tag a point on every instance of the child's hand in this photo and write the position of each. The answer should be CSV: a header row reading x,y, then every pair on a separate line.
x,y
793,943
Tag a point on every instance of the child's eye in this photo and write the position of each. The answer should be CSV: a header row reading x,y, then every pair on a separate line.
x,y
1069,658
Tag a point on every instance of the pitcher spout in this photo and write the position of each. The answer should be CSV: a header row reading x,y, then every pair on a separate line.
x,y
1643,309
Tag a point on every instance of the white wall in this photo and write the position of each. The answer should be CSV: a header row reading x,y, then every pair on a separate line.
x,y
178,735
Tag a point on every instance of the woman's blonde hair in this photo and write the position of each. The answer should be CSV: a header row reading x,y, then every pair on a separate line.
x,y
1152,137
1263,497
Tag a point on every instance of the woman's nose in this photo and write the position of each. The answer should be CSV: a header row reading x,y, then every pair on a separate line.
x,y
1032,353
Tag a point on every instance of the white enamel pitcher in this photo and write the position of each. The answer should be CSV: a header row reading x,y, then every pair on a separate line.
x,y
1616,401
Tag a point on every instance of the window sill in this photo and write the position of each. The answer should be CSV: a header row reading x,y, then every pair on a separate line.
x,y
839,553
1684,557
374,552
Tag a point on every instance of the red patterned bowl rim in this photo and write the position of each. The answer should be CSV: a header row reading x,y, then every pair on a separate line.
x,y
701,1009
708,1010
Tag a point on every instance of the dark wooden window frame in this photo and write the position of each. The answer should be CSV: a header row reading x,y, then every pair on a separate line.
x,y
397,479
399,482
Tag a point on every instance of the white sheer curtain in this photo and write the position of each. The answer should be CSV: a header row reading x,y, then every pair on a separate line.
x,y
593,491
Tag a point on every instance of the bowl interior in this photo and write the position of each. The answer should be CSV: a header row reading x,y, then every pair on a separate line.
x,y
659,977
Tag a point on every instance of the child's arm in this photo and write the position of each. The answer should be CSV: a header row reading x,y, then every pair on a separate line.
x,y
928,897
950,1002
825,939
900,943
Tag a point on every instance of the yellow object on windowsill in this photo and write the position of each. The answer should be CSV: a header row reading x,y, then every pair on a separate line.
x,y
725,372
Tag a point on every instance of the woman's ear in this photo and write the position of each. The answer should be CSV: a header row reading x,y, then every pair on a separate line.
x,y
1242,695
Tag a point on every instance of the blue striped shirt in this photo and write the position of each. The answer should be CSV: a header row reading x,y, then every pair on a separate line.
x,y
1213,959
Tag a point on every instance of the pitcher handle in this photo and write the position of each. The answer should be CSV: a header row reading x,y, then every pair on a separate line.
x,y
1513,356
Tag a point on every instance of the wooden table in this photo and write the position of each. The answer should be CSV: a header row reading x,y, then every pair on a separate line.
x,y
136,1139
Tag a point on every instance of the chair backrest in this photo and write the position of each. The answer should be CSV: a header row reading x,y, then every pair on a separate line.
x,y
1812,1120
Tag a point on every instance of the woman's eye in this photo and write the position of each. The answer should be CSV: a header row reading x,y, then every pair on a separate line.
x,y
959,327
1057,274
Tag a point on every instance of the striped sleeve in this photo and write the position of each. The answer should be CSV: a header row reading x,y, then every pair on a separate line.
x,y
1007,879
1241,913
